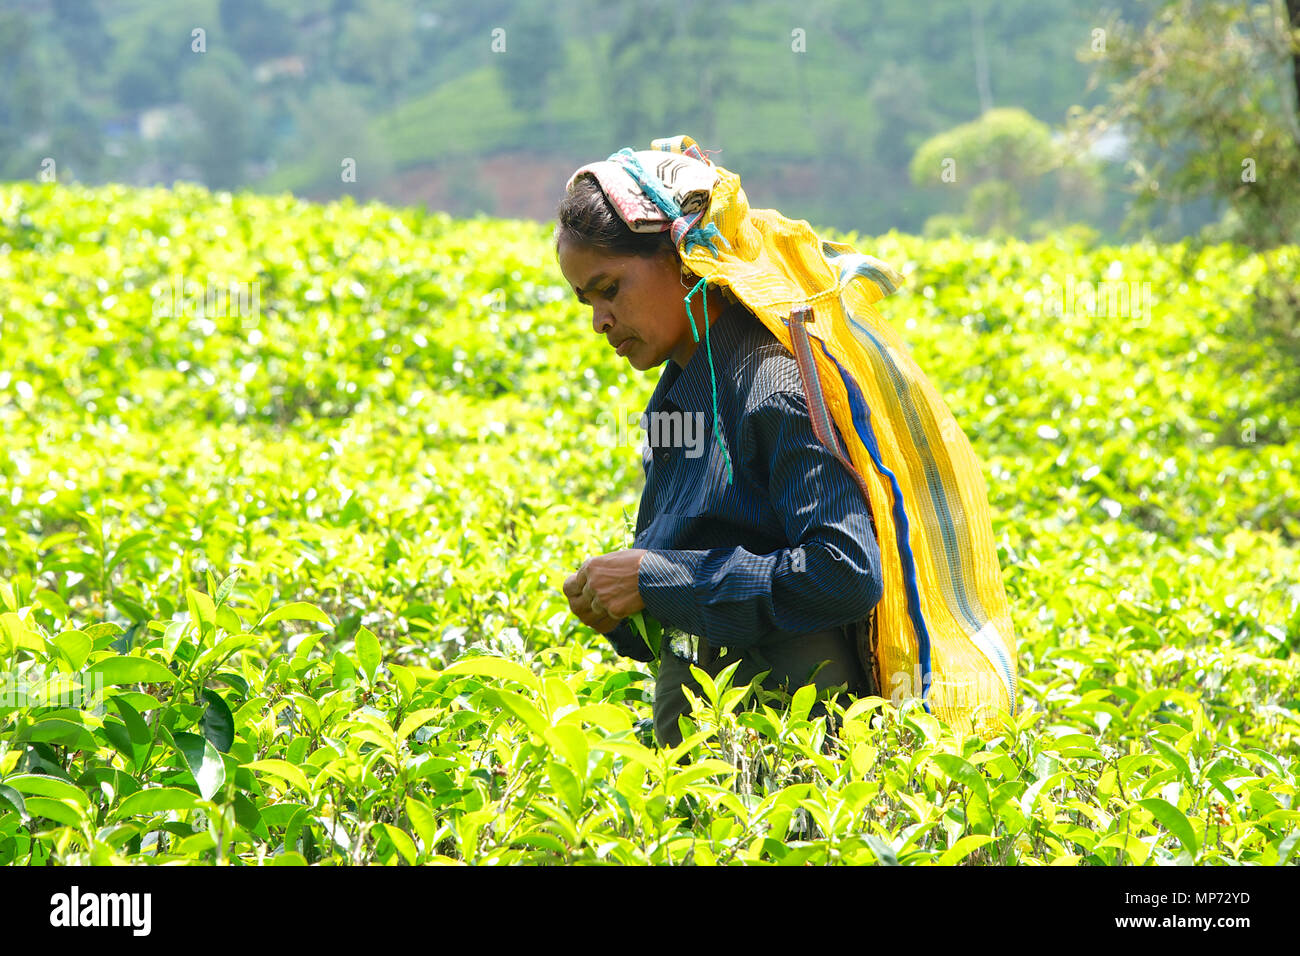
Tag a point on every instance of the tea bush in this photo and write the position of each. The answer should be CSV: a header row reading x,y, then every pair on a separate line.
x,y
283,587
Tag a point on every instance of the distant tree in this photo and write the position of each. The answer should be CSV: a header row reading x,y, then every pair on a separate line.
x,y
668,66
216,92
900,94
42,109
146,69
21,103
1207,96
379,46
138,85
534,54
76,141
339,10
640,81
334,127
256,29
706,41
998,156
80,29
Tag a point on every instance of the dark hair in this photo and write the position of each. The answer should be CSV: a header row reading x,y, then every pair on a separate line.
x,y
586,218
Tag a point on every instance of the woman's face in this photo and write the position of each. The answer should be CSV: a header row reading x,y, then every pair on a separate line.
x,y
637,302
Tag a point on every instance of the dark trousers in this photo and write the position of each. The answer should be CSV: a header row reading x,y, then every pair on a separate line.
x,y
790,662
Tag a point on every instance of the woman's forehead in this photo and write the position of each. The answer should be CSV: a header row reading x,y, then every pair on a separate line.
x,y
585,261
581,252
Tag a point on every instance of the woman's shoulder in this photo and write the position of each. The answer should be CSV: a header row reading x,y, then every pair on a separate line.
x,y
765,367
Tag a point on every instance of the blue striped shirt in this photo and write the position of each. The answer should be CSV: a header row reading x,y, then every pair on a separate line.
x,y
787,548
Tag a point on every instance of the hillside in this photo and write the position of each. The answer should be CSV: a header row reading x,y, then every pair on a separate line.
x,y
821,107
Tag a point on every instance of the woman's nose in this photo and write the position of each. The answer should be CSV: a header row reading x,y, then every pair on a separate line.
x,y
600,321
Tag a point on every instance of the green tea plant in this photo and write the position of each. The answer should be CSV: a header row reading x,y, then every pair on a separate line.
x,y
280,584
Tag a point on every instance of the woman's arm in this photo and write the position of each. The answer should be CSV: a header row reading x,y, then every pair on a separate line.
x,y
829,576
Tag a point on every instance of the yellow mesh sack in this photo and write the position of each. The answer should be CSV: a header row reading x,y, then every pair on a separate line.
x,y
942,632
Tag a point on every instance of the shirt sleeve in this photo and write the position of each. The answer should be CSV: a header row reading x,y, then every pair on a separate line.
x,y
829,576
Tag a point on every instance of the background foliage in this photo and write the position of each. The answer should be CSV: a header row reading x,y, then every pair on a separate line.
x,y
314,555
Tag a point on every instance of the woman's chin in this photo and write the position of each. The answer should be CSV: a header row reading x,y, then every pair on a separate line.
x,y
636,359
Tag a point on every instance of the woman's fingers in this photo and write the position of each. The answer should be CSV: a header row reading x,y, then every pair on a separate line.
x,y
600,621
590,612
574,583
585,604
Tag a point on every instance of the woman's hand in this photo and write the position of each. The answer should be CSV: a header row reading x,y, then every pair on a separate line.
x,y
604,590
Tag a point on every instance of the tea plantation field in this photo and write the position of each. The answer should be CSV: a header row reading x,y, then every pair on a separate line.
x,y
283,586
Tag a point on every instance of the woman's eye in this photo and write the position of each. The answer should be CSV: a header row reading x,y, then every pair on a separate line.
x,y
606,294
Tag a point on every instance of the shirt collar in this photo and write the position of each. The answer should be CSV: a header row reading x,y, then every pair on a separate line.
x,y
690,388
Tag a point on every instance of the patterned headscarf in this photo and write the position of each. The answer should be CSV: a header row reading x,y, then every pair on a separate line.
x,y
653,190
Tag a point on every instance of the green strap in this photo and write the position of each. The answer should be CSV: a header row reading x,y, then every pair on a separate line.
x,y
717,430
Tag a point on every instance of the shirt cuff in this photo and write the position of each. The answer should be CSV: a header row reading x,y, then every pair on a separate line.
x,y
628,643
727,596
666,580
